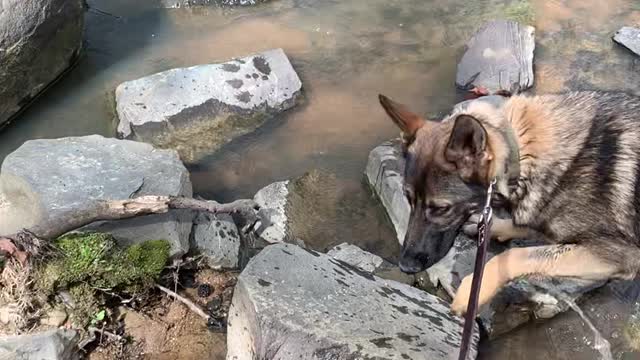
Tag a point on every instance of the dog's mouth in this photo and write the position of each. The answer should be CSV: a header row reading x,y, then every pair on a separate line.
x,y
435,248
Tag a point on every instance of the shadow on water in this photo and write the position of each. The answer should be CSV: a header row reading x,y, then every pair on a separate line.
x,y
346,52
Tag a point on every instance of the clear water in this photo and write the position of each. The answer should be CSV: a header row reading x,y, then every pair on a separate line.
x,y
346,52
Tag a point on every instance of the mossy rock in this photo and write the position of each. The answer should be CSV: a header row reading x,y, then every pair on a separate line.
x,y
85,262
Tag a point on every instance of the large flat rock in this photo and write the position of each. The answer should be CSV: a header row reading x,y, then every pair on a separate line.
x,y
197,110
39,39
292,303
629,37
45,178
189,3
498,57
519,302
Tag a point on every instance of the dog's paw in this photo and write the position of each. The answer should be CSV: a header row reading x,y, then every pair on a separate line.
x,y
461,300
470,228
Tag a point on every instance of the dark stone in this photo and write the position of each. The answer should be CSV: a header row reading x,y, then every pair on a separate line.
x,y
498,57
204,290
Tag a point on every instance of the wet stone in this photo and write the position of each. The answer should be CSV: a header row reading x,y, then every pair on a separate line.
x,y
629,37
216,103
498,57
315,309
217,239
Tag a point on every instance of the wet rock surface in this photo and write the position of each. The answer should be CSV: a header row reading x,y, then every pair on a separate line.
x,y
370,263
32,54
498,57
216,238
197,110
629,37
50,345
293,303
71,172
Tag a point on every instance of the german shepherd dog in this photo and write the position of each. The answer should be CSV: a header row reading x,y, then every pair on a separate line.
x,y
576,185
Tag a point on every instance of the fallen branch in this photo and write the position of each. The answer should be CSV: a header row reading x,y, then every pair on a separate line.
x,y
193,307
102,210
106,333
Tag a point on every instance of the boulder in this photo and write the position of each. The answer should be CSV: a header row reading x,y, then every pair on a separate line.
x,y
519,302
273,200
197,110
188,3
45,178
629,37
59,344
370,263
498,57
216,237
292,303
39,40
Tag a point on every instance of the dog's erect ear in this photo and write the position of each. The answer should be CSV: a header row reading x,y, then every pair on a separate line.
x,y
407,121
467,148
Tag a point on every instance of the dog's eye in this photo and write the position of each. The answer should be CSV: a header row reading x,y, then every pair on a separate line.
x,y
438,209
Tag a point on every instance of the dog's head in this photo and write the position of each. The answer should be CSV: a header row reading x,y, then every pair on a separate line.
x,y
445,179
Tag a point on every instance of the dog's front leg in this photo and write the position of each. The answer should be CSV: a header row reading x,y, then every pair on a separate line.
x,y
550,260
501,230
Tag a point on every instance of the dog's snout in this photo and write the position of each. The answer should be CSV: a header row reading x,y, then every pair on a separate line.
x,y
413,263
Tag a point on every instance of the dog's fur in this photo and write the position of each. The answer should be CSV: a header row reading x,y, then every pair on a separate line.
x,y
578,188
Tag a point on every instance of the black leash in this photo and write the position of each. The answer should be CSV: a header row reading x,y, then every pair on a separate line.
x,y
484,234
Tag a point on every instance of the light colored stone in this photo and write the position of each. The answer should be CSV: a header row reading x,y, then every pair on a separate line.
x,y
357,257
197,110
216,238
59,344
629,37
498,57
292,303
272,200
188,3
39,40
54,317
385,171
45,178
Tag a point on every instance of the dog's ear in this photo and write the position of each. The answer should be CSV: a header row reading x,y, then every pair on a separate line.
x,y
467,149
406,120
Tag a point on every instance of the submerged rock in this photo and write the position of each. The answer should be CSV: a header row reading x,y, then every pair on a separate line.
x,y
292,303
498,57
197,110
45,178
51,345
629,37
216,238
519,302
39,40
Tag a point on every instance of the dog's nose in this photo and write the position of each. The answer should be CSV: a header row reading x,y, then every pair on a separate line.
x,y
412,265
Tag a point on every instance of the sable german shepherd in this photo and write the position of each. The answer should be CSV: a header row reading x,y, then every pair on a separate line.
x,y
567,168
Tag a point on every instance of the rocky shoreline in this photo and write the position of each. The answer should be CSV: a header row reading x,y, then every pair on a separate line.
x,y
255,279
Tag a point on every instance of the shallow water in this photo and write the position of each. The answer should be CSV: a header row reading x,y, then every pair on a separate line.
x,y
346,52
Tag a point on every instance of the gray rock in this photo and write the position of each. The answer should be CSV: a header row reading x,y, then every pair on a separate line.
x,y
629,37
216,238
498,57
197,110
51,345
356,257
273,200
38,41
370,263
45,178
385,171
188,3
291,303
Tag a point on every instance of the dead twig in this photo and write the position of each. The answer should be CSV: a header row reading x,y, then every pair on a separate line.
x,y
193,307
106,333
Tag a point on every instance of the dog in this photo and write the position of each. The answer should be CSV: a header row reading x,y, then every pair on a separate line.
x,y
567,169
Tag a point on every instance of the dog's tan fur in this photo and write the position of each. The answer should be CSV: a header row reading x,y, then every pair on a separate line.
x,y
578,187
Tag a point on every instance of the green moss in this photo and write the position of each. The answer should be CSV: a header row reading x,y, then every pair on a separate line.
x,y
84,262
520,11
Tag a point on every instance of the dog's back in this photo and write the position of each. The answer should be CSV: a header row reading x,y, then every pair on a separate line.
x,y
580,169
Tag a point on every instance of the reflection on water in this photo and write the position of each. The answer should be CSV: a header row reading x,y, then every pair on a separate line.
x,y
346,52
